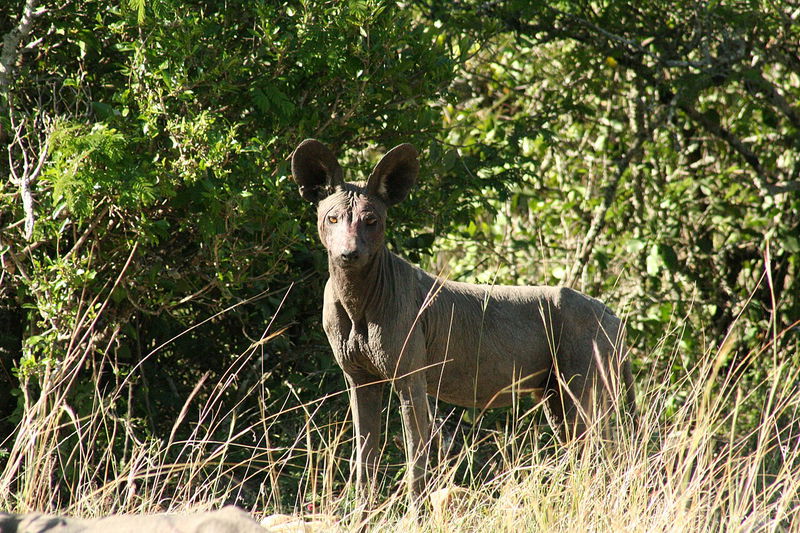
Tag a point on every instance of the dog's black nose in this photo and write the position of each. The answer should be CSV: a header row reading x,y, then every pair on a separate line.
x,y
350,255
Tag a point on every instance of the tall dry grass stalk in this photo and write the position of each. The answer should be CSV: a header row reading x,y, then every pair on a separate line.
x,y
701,458
696,462
101,462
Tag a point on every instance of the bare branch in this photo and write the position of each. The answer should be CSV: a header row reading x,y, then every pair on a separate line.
x,y
757,83
11,40
635,47
763,180
598,221
30,171
10,261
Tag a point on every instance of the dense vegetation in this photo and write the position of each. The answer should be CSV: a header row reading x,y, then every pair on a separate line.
x,y
161,277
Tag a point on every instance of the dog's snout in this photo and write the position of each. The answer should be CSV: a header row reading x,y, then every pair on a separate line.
x,y
350,255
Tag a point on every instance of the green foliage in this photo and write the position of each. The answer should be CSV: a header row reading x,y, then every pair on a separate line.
x,y
166,198
647,154
650,154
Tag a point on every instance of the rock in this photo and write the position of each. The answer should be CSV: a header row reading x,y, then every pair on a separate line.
x,y
226,520
316,523
40,523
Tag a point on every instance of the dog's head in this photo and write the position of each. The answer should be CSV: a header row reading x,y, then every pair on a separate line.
x,y
351,217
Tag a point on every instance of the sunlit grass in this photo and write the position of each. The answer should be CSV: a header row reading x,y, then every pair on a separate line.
x,y
704,467
712,451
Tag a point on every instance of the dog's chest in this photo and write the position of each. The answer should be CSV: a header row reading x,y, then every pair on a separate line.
x,y
363,346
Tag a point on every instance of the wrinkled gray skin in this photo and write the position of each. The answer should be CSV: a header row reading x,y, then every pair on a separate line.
x,y
388,321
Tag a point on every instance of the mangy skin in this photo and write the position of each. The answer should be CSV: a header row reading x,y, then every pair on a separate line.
x,y
389,321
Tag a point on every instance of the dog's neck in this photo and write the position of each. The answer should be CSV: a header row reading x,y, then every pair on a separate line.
x,y
361,289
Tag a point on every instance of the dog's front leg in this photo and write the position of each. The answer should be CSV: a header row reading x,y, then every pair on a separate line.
x,y
366,398
416,426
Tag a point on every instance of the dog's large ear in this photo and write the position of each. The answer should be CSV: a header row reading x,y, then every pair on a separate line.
x,y
315,170
395,174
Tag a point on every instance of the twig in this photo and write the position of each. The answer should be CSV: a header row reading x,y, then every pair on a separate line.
x,y
92,226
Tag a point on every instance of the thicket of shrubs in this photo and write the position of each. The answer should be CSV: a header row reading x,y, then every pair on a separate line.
x,y
157,257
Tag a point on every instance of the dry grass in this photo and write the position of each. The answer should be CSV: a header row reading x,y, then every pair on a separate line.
x,y
701,459
701,466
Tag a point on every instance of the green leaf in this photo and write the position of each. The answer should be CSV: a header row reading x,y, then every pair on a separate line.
x,y
103,111
654,262
138,6
792,244
668,256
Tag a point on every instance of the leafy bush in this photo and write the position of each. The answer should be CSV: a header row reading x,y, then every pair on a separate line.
x,y
162,279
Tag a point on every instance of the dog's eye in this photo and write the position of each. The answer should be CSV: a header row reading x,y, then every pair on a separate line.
x,y
332,219
370,221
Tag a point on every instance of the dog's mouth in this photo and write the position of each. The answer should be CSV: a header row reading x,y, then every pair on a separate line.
x,y
350,265
352,262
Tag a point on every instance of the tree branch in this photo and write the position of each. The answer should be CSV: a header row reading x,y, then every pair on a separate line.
x,y
11,40
29,172
757,83
599,219
766,186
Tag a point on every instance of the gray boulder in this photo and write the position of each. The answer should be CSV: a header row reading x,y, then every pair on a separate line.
x,y
226,520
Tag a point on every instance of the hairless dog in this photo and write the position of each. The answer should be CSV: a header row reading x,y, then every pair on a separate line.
x,y
389,321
